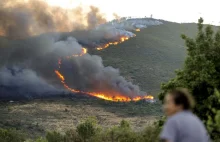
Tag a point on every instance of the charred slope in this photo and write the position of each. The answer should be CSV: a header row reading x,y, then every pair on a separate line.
x,y
152,56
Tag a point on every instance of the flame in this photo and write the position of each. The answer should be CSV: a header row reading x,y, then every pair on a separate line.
x,y
104,96
138,30
60,76
117,97
84,51
121,39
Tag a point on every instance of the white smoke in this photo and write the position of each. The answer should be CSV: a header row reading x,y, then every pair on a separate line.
x,y
130,24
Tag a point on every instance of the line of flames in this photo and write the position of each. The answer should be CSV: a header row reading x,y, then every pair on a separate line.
x,y
122,39
115,97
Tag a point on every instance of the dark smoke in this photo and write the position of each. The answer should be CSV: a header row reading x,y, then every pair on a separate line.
x,y
19,83
27,62
28,67
88,73
20,19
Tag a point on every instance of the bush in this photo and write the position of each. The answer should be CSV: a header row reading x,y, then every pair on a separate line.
x,y
72,136
11,136
54,137
151,134
87,129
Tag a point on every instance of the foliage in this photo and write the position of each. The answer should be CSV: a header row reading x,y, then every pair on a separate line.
x,y
54,137
90,132
87,129
11,136
41,140
124,124
213,123
72,136
201,71
122,133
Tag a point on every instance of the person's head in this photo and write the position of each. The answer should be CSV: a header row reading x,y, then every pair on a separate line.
x,y
177,100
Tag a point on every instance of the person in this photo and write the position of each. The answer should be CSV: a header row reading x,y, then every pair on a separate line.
x,y
182,125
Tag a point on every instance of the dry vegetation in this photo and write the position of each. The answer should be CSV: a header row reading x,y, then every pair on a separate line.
x,y
36,117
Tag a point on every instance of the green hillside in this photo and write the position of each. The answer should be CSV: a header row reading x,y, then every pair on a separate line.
x,y
152,56
148,59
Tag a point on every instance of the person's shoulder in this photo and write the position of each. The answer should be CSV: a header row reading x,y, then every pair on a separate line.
x,y
176,117
172,119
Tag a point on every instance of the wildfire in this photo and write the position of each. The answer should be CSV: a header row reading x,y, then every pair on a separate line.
x,y
106,96
138,30
122,39
84,51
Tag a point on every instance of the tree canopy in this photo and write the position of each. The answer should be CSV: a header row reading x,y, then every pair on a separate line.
x,y
201,71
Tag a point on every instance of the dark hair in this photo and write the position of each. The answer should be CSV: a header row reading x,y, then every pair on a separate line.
x,y
182,97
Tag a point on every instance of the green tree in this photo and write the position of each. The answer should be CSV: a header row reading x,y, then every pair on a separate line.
x,y
123,133
201,71
87,129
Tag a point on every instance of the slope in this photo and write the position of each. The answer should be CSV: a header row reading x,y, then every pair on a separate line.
x,y
152,56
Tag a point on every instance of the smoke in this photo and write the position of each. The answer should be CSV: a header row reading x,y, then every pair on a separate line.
x,y
94,18
28,68
88,73
27,62
117,17
18,83
22,18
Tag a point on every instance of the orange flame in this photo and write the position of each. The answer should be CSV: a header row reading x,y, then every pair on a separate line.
x,y
84,51
106,96
60,76
122,39
138,30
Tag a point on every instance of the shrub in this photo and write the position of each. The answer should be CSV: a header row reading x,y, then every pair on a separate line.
x,y
11,136
54,137
87,129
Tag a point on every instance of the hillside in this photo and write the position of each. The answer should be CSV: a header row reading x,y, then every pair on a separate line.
x,y
152,56
148,59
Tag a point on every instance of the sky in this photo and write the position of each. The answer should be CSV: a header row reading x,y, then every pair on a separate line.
x,y
181,11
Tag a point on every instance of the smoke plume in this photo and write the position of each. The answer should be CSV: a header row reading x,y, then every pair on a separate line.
x,y
22,18
28,63
29,67
19,83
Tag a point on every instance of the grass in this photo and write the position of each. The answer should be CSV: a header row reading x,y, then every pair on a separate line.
x,y
152,56
38,116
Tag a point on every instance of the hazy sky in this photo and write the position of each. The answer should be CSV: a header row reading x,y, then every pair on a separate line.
x,y
172,10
